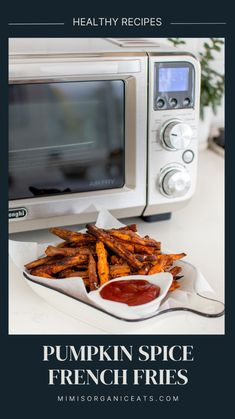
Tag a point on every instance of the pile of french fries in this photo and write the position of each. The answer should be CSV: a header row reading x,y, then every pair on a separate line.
x,y
99,255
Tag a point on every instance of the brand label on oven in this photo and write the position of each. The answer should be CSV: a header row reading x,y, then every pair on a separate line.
x,y
102,182
15,213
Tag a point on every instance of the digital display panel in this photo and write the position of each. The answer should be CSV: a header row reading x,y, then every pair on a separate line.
x,y
172,79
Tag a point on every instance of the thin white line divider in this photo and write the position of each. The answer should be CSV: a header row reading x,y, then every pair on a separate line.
x,y
34,23
198,23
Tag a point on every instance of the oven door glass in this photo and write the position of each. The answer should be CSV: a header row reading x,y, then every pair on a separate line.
x,y
65,137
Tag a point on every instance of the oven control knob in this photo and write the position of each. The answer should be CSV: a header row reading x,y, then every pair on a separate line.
x,y
176,135
174,181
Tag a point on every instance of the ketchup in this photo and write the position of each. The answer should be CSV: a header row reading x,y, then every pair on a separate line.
x,y
132,292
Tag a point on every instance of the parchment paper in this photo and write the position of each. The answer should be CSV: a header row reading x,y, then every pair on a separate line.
x,y
24,252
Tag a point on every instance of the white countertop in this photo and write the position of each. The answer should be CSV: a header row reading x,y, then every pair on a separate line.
x,y
198,230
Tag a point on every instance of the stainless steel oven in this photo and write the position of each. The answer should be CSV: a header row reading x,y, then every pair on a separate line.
x,y
93,123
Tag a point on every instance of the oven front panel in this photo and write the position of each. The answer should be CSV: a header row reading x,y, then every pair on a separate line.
x,y
65,137
77,138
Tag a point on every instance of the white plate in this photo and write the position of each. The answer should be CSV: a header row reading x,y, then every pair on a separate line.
x,y
99,318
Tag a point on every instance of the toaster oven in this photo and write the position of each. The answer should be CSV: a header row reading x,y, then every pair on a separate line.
x,y
99,123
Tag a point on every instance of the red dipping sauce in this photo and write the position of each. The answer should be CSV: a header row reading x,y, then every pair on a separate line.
x,y
132,292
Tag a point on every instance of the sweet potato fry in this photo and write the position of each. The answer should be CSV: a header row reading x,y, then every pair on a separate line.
x,y
160,266
73,236
102,264
119,270
130,236
157,252
81,267
144,270
172,258
62,244
177,256
43,275
175,271
39,262
92,274
65,273
115,260
126,245
146,250
147,258
174,286
116,247
63,251
72,272
80,274
66,251
132,227
60,265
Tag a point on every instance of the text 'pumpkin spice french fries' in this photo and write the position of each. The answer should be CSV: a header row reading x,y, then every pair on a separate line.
x,y
100,255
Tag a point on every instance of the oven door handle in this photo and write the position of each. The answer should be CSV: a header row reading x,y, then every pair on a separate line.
x,y
43,70
80,68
